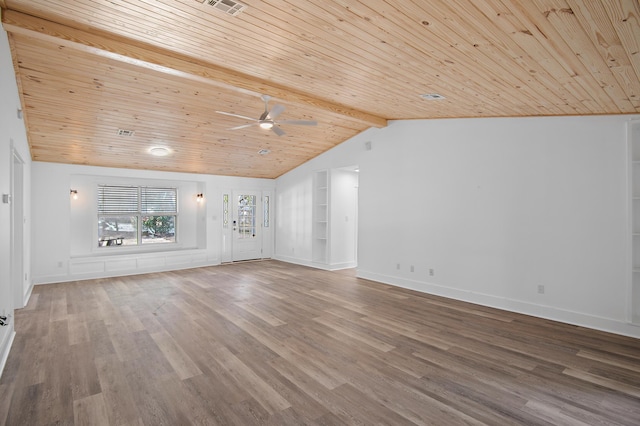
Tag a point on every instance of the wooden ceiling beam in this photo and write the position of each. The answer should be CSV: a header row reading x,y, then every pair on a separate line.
x,y
169,62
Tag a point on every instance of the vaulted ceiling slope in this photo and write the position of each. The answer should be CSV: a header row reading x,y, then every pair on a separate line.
x,y
162,68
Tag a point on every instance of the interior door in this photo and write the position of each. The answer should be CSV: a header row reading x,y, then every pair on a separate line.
x,y
247,235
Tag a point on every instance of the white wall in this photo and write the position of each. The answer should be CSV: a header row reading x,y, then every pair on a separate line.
x,y
496,208
294,194
12,136
65,230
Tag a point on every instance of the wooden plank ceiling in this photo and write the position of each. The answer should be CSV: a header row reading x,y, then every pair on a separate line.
x,y
87,68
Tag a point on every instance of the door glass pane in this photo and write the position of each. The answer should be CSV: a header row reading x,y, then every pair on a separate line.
x,y
246,216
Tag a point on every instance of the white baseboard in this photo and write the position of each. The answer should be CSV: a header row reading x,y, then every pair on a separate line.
x,y
317,265
343,265
517,306
27,295
295,261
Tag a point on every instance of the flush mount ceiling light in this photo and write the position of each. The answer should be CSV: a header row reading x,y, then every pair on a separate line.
x,y
432,96
159,151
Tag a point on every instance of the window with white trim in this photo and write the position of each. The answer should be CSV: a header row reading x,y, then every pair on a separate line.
x,y
136,215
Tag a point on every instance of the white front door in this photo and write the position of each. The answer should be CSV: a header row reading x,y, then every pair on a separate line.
x,y
246,226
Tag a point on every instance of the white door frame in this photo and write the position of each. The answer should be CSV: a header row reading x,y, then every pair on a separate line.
x,y
265,228
18,278
246,246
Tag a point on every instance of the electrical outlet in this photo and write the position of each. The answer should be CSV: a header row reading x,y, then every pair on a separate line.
x,y
540,289
397,266
431,272
411,268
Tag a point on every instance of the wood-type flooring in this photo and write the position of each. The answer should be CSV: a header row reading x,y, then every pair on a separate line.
x,y
279,344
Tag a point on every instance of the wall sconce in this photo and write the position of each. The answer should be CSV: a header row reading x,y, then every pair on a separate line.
x,y
74,194
199,197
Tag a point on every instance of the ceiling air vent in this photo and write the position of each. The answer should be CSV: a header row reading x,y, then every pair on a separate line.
x,y
123,132
227,6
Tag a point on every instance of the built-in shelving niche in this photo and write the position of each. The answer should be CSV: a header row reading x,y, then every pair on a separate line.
x,y
321,198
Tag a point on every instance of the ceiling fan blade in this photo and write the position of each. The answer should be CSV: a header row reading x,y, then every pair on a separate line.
x,y
299,122
277,130
275,111
236,115
244,126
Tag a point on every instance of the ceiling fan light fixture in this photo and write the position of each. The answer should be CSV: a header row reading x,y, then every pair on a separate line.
x,y
266,125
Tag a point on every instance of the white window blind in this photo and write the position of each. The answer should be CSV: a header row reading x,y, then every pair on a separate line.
x,y
158,200
113,199
117,199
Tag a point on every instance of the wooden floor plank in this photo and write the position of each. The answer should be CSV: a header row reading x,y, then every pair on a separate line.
x,y
84,374
182,364
90,410
258,388
116,391
276,344
263,315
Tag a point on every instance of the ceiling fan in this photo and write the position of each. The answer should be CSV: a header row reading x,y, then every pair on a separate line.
x,y
268,118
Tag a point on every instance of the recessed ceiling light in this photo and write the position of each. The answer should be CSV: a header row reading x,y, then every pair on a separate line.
x,y
159,151
432,96
264,152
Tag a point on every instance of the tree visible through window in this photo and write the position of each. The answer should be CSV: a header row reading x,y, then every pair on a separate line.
x,y
134,215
